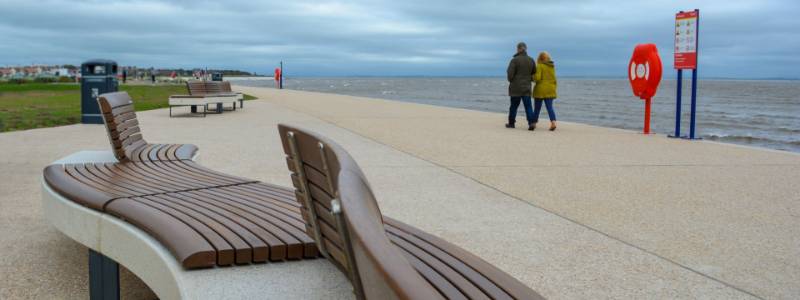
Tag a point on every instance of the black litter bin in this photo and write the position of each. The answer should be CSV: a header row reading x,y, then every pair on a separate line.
x,y
216,76
98,76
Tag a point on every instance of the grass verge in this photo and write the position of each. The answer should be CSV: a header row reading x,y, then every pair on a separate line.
x,y
38,105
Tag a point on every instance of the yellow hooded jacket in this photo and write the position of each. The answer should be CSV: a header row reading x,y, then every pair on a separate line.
x,y
545,79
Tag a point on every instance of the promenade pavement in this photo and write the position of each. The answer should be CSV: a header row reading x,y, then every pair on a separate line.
x,y
583,212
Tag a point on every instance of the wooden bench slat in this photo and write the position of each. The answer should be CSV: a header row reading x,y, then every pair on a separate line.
x,y
266,207
152,152
79,172
133,147
161,154
502,280
63,183
127,132
133,138
266,225
154,174
437,281
320,196
113,100
318,179
116,111
112,178
169,170
269,239
267,202
199,170
265,245
166,183
252,244
116,177
121,118
224,250
189,247
169,154
284,195
434,264
119,125
185,151
242,251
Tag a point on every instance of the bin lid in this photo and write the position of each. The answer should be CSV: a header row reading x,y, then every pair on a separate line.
x,y
99,62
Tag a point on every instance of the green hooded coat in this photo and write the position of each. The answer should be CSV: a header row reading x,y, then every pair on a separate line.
x,y
545,79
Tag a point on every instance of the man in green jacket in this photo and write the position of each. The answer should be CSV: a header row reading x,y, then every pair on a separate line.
x,y
520,74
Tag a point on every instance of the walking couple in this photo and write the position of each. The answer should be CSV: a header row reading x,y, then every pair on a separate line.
x,y
521,71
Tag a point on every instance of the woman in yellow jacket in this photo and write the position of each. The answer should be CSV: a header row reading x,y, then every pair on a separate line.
x,y
545,89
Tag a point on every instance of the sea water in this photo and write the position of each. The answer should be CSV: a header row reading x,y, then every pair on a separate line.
x,y
763,113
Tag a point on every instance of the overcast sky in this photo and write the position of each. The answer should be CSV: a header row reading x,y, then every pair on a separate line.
x,y
743,39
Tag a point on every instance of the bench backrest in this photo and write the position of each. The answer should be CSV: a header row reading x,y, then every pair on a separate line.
x,y
121,123
213,87
201,87
196,87
226,86
341,214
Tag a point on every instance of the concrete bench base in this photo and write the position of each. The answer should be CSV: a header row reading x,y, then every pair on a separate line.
x,y
205,101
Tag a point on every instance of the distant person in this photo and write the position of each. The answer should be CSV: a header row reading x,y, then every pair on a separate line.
x,y
124,76
545,89
520,72
153,78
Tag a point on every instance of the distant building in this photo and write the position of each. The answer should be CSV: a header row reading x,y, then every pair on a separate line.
x,y
59,71
8,72
31,71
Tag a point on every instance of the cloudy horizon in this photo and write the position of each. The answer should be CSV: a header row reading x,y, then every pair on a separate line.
x,y
746,39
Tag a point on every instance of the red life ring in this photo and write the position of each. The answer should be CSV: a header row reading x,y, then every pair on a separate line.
x,y
277,74
644,71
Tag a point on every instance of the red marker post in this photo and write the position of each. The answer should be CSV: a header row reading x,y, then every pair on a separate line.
x,y
277,78
644,73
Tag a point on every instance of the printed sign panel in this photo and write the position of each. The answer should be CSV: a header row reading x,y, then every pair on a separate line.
x,y
686,39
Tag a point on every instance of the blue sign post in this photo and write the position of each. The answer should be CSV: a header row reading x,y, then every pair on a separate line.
x,y
687,25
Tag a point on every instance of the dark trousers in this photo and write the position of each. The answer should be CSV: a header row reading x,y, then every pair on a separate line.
x,y
538,108
512,111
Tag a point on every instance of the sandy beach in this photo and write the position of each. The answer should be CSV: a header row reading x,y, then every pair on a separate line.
x,y
581,213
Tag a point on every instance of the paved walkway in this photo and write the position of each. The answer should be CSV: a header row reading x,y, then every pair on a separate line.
x,y
584,212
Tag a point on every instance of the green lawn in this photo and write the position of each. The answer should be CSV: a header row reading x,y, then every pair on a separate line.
x,y
37,105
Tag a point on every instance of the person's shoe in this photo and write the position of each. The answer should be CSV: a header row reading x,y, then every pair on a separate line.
x,y
509,125
552,126
532,126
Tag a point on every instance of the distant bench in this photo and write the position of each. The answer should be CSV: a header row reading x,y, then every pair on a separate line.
x,y
204,93
205,218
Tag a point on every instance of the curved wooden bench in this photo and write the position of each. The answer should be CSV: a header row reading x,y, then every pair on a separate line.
x,y
382,257
204,217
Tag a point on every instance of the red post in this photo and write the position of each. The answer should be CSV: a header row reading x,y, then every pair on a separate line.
x,y
647,116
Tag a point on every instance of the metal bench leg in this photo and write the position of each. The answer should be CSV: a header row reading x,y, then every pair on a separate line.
x,y
241,103
170,111
103,277
194,109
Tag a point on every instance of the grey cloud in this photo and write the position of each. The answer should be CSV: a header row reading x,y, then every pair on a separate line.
x,y
383,37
